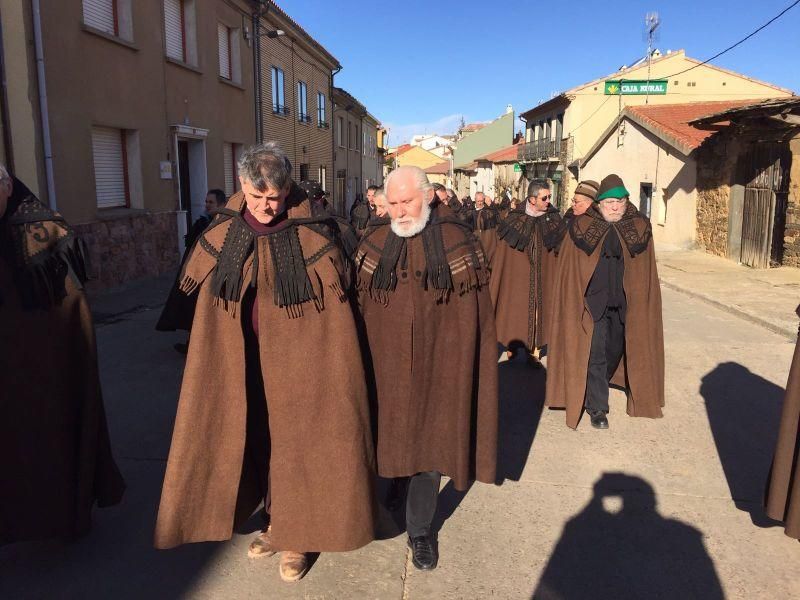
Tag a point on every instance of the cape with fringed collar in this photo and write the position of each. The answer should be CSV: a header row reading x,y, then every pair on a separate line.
x,y
225,252
453,265
523,267
321,463
42,249
55,456
427,313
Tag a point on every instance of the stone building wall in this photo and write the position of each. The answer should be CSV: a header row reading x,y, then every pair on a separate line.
x,y
791,238
130,247
716,166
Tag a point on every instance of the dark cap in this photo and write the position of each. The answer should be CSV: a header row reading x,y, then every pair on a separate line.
x,y
312,189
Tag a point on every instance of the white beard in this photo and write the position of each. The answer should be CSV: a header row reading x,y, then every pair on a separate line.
x,y
415,226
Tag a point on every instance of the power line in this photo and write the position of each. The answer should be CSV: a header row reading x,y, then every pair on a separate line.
x,y
595,112
729,48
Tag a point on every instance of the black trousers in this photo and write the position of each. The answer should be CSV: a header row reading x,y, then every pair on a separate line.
x,y
607,349
421,500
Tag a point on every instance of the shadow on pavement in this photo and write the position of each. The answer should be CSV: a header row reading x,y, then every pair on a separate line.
x,y
743,412
522,389
619,547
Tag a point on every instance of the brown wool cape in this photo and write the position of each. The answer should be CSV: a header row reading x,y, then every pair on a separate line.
x,y
783,486
321,469
641,371
486,221
433,347
55,456
523,268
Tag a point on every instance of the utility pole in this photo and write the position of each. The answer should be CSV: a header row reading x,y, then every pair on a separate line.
x,y
651,23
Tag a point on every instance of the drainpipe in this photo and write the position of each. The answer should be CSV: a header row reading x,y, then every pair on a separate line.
x,y
7,145
48,149
333,146
256,24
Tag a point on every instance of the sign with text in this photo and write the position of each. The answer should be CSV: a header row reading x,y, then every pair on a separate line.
x,y
636,88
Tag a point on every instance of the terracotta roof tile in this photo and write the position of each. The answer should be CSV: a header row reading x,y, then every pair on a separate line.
x,y
442,168
673,119
508,154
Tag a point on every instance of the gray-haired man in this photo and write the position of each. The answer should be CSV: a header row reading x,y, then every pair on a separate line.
x,y
284,419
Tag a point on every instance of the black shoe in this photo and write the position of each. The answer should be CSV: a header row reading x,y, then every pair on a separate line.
x,y
599,419
423,552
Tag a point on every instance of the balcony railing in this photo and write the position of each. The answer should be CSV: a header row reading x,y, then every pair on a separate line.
x,y
540,150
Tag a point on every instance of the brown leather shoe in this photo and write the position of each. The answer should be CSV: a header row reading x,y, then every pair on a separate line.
x,y
261,546
294,565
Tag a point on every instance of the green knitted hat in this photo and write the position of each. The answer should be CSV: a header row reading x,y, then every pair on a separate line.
x,y
612,187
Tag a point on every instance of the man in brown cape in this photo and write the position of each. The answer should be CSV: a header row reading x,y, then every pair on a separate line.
x,y
606,319
426,307
783,486
522,270
55,456
484,224
584,196
284,418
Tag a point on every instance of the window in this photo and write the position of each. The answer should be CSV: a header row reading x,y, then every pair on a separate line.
x,y
364,144
110,167
225,59
109,16
230,155
339,131
321,121
323,178
302,103
355,137
179,30
303,172
278,97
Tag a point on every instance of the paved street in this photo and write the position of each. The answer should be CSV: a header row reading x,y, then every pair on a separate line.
x,y
659,509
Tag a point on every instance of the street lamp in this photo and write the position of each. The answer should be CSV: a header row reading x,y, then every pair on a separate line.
x,y
274,33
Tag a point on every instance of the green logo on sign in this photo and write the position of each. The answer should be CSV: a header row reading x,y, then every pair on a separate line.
x,y
636,87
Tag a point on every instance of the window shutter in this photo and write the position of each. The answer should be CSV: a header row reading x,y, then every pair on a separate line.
x,y
109,167
227,159
173,29
100,15
224,41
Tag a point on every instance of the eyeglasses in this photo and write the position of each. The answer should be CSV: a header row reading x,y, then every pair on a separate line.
x,y
533,199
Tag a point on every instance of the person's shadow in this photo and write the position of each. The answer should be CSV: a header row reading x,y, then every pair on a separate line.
x,y
522,390
743,412
620,547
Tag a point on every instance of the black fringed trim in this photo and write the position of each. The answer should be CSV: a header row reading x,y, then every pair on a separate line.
x,y
292,285
588,239
437,268
226,279
516,230
385,276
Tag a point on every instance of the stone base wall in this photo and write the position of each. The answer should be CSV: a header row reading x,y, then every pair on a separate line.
x,y
791,238
716,164
130,247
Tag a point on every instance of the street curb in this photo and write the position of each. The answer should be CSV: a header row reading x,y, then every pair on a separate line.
x,y
789,334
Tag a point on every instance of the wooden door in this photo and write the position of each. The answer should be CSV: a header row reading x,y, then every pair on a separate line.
x,y
764,171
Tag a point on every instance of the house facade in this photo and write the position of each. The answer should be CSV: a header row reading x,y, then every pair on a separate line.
x,y
560,131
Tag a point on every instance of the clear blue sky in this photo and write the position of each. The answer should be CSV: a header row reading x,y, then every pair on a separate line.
x,y
418,65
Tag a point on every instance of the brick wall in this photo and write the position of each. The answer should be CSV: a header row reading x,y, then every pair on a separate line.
x,y
130,247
